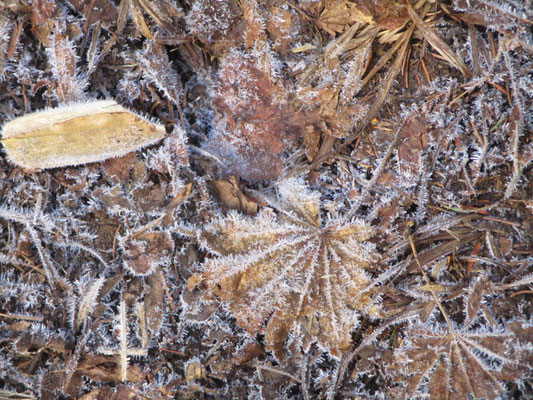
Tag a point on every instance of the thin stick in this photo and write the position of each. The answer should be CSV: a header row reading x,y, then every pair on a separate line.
x,y
123,342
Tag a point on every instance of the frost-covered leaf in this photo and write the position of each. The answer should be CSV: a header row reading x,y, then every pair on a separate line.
x,y
103,368
444,364
338,14
300,272
506,16
143,252
480,288
154,301
252,122
68,85
158,70
101,11
88,299
42,19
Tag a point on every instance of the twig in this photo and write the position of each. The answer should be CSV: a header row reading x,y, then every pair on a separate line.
x,y
123,342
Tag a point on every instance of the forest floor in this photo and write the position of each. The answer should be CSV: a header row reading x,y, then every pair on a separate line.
x,y
341,207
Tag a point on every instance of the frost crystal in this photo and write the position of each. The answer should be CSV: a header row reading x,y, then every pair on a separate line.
x,y
291,268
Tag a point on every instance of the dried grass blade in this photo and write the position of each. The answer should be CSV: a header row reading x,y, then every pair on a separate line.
x,y
138,18
438,44
123,9
333,50
158,18
386,57
390,52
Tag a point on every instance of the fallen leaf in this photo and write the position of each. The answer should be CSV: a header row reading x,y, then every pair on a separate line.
x,y
230,195
145,251
292,271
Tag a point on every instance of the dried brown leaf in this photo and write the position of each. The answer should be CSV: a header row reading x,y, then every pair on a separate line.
x,y
104,368
247,354
119,168
218,26
458,364
143,252
52,382
150,197
280,27
154,303
42,19
158,70
255,35
339,14
230,195
251,110
29,343
327,90
415,139
68,87
122,392
291,269
481,287
96,10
